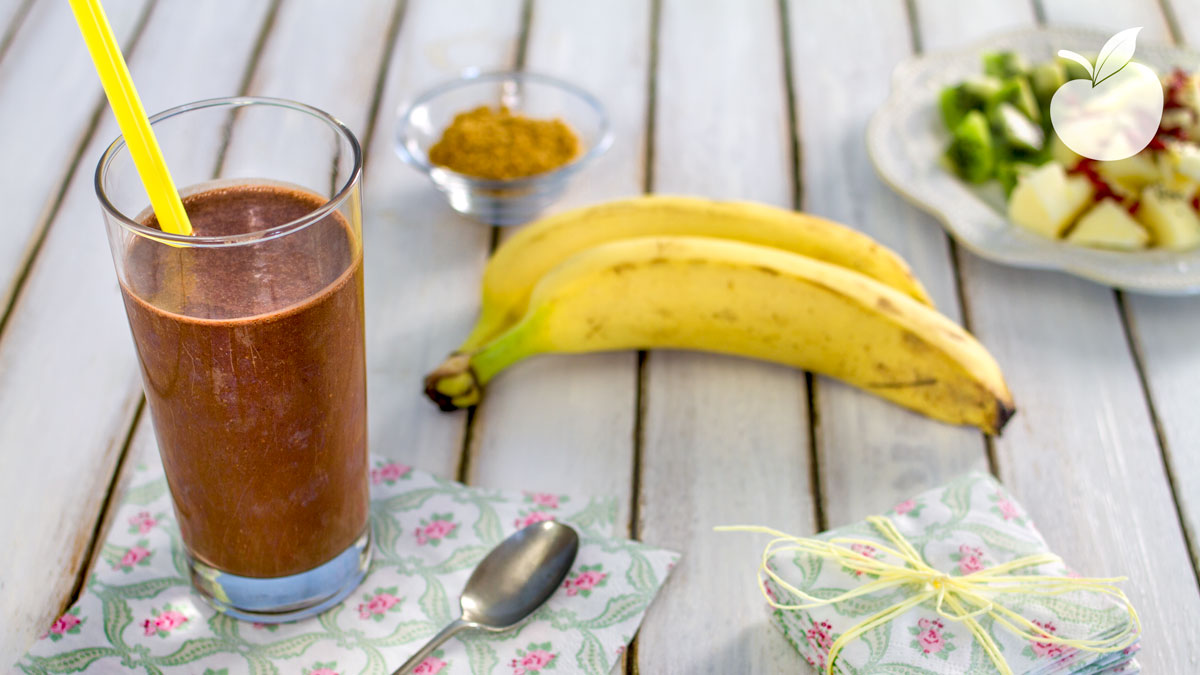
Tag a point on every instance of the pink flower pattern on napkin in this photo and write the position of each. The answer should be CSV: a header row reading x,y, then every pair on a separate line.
x,y
390,473
863,550
931,638
375,605
544,499
1006,508
432,665
67,624
134,555
531,518
969,559
161,623
440,526
143,522
1050,650
582,582
533,659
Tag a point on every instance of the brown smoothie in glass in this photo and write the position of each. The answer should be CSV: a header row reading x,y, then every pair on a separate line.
x,y
253,363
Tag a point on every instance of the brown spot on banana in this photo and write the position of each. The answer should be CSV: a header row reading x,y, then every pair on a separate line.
x,y
915,342
920,382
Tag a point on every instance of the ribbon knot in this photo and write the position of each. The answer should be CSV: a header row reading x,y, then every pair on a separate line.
x,y
959,599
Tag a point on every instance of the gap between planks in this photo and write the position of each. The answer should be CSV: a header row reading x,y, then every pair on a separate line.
x,y
14,25
640,371
796,164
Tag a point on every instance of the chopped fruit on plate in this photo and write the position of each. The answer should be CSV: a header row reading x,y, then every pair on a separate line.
x,y
1046,200
1109,225
1131,173
1000,130
1170,218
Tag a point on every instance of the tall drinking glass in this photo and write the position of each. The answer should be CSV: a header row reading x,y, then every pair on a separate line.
x,y
250,339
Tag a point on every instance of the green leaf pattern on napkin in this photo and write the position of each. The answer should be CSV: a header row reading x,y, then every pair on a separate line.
x,y
139,613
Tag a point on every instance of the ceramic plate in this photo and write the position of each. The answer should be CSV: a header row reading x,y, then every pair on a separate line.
x,y
906,139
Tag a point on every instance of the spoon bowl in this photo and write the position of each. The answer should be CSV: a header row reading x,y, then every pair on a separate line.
x,y
510,583
519,575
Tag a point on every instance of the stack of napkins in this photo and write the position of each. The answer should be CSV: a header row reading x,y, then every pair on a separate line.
x,y
139,613
966,526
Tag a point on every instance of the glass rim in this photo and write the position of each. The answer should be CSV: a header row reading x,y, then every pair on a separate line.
x,y
233,102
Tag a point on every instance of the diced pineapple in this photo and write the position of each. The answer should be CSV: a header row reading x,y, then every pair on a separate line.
x,y
1132,173
1187,159
1170,218
1060,153
1171,179
1046,200
1109,225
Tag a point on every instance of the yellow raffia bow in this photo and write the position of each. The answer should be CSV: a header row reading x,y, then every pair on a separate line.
x,y
960,599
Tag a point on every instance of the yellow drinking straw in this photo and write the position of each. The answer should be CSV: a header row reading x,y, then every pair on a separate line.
x,y
131,116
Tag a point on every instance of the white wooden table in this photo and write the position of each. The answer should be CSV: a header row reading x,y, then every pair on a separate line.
x,y
758,100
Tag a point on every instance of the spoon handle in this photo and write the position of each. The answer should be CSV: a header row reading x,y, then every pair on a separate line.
x,y
451,629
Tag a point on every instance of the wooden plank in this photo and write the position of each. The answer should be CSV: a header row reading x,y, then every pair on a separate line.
x,y
1082,454
423,261
48,95
724,440
1166,331
12,14
68,380
907,453
1184,16
566,423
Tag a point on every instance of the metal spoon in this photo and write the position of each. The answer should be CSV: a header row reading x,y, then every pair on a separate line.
x,y
510,583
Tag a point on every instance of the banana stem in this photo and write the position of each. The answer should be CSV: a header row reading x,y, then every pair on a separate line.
x,y
503,351
458,382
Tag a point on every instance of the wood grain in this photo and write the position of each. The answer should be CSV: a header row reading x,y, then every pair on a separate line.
x,y
566,423
1082,455
11,14
871,453
423,261
68,379
725,440
1185,21
48,95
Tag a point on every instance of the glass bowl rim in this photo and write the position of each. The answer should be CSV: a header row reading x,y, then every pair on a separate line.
x,y
234,103
598,148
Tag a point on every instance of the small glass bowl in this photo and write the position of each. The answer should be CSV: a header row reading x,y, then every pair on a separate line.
x,y
502,202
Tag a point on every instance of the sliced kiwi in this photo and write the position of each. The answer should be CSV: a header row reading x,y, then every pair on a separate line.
x,y
972,150
1004,64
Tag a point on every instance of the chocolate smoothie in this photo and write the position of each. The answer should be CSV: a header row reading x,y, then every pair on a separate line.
x,y
253,362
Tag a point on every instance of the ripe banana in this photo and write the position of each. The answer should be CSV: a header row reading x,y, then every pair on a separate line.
x,y
737,298
518,264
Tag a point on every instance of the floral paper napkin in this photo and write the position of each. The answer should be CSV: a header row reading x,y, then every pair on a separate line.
x,y
968,525
138,613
